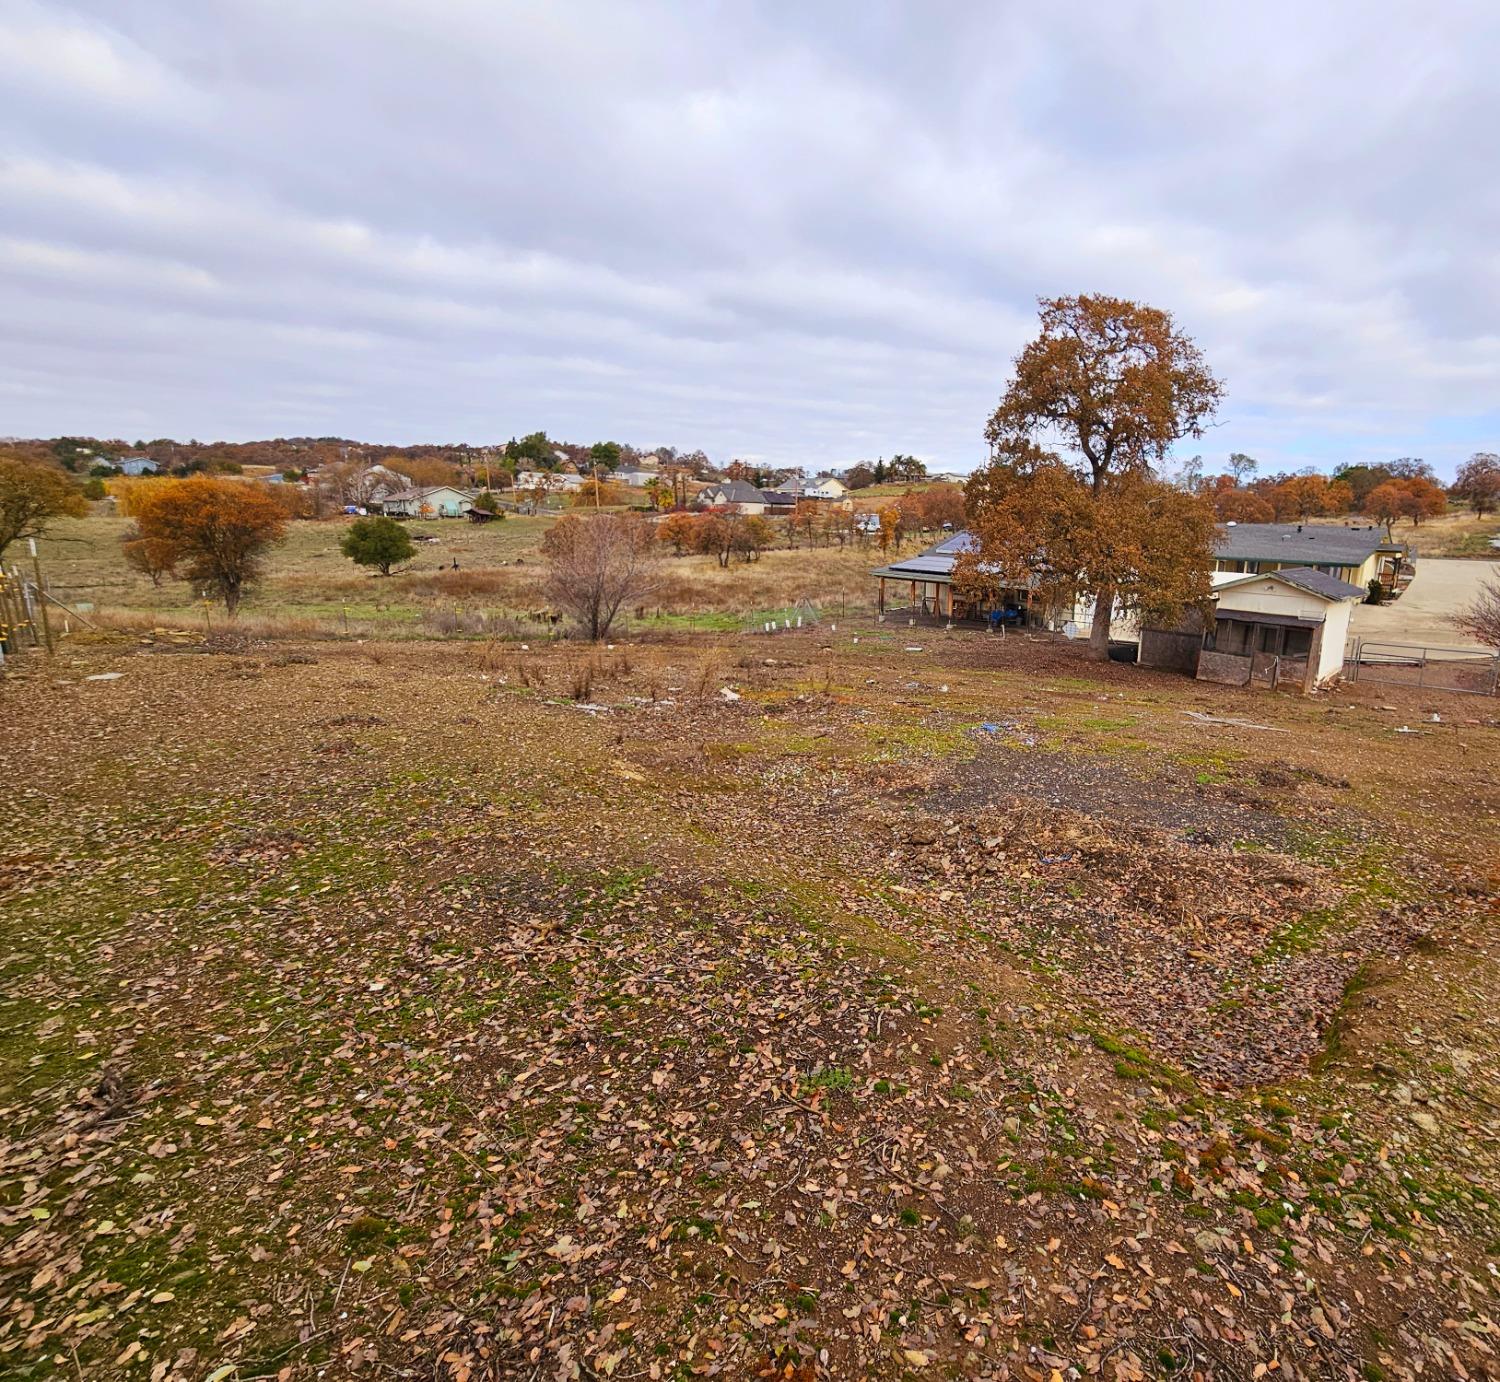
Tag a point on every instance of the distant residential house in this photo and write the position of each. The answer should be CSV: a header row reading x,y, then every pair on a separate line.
x,y
548,480
949,477
136,465
436,501
1354,554
635,475
820,487
734,495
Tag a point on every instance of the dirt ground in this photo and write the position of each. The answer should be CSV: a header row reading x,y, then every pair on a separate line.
x,y
823,1005
1441,587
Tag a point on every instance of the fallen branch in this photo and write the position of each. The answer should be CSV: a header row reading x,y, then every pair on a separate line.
x,y
1238,724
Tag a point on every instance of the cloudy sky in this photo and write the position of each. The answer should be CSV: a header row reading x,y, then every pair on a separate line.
x,y
803,233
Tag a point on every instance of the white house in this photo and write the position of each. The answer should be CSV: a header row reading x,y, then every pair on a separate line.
x,y
821,487
553,481
433,501
635,475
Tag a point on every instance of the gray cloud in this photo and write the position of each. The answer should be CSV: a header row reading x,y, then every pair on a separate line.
x,y
807,234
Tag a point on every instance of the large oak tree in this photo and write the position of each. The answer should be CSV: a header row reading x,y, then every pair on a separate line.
x,y
1139,542
1110,385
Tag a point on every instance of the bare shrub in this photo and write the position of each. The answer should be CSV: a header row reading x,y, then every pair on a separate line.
x,y
1481,620
581,674
523,670
707,673
598,565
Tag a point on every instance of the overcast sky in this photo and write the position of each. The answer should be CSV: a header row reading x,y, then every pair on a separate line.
x,y
800,233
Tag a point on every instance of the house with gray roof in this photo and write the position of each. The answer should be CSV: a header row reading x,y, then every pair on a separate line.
x,y
1356,554
734,495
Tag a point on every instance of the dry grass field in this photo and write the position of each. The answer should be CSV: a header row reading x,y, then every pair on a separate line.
x,y
824,1005
310,588
1455,534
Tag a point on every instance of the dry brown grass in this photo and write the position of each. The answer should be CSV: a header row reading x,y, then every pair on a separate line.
x,y
779,579
1456,534
310,590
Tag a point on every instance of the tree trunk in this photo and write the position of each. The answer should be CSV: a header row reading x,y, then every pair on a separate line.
x,y
1104,602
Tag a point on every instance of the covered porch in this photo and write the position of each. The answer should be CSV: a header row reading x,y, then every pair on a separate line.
x,y
1245,647
931,598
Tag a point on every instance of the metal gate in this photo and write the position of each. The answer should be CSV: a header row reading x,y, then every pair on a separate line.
x,y
1469,670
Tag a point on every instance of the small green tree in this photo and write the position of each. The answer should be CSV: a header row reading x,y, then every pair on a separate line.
x,y
377,542
489,502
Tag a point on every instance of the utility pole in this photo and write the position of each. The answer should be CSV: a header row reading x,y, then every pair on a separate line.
x,y
41,599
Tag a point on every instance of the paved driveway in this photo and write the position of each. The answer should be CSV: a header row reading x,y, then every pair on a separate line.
x,y
1442,586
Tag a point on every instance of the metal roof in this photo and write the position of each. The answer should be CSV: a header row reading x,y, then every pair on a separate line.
x,y
934,563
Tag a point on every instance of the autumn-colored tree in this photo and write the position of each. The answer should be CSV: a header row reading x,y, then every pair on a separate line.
x,y
1241,506
597,493
860,476
891,531
1424,499
836,524
424,471
1338,497
754,536
680,530
714,535
32,495
217,531
1481,620
1114,384
596,565
913,512
1478,482
1385,504
150,556
803,521
1300,497
943,505
1144,544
